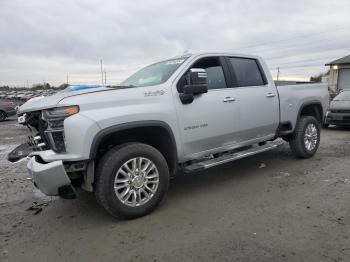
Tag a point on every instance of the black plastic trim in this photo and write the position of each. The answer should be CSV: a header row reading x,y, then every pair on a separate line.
x,y
121,127
309,103
186,98
67,192
284,128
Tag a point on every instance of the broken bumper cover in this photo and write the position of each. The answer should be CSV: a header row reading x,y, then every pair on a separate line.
x,y
51,178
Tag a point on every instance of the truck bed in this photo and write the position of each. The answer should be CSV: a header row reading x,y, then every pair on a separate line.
x,y
294,97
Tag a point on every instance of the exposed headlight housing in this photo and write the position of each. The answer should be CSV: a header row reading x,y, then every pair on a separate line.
x,y
54,118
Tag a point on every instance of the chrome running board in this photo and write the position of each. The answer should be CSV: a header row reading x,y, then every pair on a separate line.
x,y
232,156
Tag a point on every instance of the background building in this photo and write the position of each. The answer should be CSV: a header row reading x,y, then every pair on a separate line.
x,y
339,76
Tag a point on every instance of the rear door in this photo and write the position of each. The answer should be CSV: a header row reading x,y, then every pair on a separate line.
x,y
257,100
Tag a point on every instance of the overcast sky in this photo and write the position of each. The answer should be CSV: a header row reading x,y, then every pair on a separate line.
x,y
44,40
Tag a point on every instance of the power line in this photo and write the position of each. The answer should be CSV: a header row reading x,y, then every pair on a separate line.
x,y
311,49
306,66
301,45
302,61
307,51
297,63
330,50
292,38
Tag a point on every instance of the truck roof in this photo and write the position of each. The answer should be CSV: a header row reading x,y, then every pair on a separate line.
x,y
219,54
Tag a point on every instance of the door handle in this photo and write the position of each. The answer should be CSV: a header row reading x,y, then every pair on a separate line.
x,y
229,99
270,95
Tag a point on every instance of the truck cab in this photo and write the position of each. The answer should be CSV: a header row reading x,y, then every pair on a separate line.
x,y
240,93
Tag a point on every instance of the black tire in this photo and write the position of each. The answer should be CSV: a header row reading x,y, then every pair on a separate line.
x,y
297,143
2,115
325,125
107,169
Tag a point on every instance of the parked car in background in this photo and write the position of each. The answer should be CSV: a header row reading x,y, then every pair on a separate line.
x,y
21,96
339,110
7,109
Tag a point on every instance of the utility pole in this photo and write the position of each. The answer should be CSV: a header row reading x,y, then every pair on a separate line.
x,y
105,78
27,84
67,79
278,73
101,70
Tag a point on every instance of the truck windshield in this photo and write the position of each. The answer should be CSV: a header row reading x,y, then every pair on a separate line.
x,y
154,74
343,96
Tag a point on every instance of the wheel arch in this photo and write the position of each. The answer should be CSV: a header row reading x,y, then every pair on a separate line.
x,y
311,108
155,133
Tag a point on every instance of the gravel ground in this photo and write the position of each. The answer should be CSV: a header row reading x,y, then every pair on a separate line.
x,y
270,207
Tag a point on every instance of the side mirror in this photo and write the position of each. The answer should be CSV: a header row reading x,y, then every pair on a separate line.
x,y
196,80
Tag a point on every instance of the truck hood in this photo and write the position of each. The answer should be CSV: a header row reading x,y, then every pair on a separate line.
x,y
339,105
39,103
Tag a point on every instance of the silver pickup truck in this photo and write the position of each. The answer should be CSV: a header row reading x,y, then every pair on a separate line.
x,y
180,115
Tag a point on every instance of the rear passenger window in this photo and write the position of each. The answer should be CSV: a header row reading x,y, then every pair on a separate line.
x,y
247,72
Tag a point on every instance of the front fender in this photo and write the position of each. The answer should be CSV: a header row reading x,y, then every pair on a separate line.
x,y
125,126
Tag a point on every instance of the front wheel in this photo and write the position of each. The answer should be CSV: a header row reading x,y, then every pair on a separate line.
x,y
131,180
306,139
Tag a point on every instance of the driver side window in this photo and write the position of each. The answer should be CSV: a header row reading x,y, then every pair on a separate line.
x,y
215,73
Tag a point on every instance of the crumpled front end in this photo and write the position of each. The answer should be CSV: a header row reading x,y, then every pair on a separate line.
x,y
58,156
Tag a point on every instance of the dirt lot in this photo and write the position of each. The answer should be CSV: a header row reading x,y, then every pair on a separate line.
x,y
271,207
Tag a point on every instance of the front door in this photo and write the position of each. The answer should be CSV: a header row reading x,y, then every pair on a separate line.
x,y
209,123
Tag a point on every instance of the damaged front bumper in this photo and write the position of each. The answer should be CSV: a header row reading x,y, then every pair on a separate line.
x,y
51,178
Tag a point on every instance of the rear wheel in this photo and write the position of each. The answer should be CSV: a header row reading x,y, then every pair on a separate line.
x,y
306,139
131,180
2,116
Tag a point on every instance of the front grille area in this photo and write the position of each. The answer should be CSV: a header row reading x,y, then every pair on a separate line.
x,y
56,140
49,136
37,143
